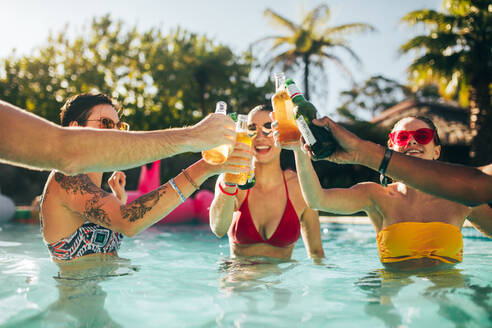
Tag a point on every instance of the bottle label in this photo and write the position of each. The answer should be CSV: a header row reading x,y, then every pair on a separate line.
x,y
305,131
293,90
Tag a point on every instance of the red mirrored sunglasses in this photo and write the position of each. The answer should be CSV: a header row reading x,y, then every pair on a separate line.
x,y
107,123
402,137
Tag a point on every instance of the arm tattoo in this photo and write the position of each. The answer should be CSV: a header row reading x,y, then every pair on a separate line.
x,y
137,209
82,185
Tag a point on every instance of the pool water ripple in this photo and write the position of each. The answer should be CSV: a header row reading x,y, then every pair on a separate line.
x,y
183,277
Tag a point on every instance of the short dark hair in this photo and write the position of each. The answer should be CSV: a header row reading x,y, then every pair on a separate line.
x,y
265,107
427,121
78,108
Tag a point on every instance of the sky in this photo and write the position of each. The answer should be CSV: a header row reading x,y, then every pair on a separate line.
x,y
26,24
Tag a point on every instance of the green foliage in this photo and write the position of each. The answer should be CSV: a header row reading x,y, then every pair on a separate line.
x,y
310,44
456,54
457,48
160,80
379,93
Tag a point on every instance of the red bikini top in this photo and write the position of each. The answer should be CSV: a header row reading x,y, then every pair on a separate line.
x,y
243,230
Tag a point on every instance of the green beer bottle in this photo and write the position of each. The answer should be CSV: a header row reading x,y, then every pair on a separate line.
x,y
319,139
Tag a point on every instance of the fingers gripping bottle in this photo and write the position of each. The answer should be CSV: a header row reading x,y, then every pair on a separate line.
x,y
283,108
241,136
251,174
250,183
319,139
219,154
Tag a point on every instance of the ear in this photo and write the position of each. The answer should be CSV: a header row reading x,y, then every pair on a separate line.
x,y
73,123
437,152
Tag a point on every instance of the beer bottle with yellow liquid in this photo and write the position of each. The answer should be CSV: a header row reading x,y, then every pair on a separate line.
x,y
241,136
250,183
219,154
283,107
319,139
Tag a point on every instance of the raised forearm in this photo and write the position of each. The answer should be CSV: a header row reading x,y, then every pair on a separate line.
x,y
458,183
88,150
221,210
30,141
334,200
308,179
153,206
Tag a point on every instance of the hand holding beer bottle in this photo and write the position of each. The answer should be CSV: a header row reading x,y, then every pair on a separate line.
x,y
219,154
319,139
241,137
283,107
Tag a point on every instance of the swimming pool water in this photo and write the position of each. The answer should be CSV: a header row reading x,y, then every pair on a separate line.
x,y
183,277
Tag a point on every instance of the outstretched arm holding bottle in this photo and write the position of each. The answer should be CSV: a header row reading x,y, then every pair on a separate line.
x,y
33,142
335,200
459,183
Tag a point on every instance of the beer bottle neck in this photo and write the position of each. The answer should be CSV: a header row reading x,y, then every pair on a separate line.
x,y
295,94
279,81
298,98
242,123
221,108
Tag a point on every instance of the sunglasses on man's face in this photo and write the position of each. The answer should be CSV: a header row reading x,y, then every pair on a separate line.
x,y
266,129
107,123
402,137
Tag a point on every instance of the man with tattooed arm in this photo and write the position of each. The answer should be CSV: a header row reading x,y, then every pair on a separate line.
x,y
79,219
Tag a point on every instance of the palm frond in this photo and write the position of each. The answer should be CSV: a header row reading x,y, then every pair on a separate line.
x,y
284,61
280,21
281,41
349,28
436,42
444,65
430,18
339,63
350,52
318,16
267,38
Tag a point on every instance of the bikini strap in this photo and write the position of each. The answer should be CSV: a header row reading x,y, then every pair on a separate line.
x,y
285,184
247,194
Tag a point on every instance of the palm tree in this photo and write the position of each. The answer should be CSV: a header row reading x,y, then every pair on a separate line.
x,y
309,44
457,55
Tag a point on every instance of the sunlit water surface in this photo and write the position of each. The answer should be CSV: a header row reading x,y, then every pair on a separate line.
x,y
183,277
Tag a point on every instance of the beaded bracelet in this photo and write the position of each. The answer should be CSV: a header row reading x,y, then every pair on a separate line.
x,y
383,166
228,193
175,187
190,180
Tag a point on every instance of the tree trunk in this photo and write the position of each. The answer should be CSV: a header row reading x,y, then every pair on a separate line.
x,y
481,122
306,76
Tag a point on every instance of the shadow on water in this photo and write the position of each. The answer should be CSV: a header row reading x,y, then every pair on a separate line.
x,y
245,276
81,300
449,290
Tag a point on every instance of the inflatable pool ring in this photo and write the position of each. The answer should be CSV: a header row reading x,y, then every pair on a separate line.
x,y
203,200
7,208
150,179
184,213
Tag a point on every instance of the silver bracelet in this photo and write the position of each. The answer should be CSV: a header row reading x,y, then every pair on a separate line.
x,y
175,187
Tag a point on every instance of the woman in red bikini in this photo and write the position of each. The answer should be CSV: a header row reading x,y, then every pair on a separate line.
x,y
269,218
